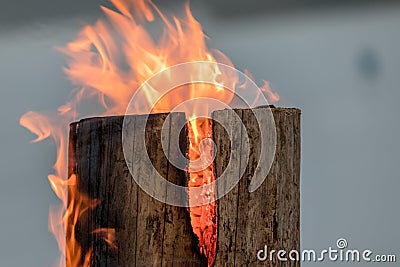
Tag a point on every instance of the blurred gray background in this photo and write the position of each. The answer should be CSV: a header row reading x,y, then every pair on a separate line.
x,y
339,61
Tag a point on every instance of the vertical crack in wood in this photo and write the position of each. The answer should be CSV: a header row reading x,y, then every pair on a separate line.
x,y
240,113
132,123
166,188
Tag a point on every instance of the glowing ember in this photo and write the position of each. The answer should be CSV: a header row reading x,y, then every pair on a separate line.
x,y
203,218
107,62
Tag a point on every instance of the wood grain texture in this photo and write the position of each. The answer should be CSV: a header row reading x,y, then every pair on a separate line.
x,y
152,233
270,215
228,143
148,232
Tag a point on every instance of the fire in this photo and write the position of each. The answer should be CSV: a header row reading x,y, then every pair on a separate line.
x,y
107,62
203,218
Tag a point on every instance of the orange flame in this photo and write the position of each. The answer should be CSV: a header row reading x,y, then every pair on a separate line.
x,y
107,62
203,218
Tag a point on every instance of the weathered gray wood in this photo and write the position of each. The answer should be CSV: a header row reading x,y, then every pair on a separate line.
x,y
227,212
271,215
177,220
151,233
147,231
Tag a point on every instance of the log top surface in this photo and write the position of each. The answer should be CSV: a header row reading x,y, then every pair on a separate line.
x,y
153,115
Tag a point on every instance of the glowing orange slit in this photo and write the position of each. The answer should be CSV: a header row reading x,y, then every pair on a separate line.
x,y
203,218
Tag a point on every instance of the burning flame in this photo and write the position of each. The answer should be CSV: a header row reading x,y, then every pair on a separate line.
x,y
203,218
107,62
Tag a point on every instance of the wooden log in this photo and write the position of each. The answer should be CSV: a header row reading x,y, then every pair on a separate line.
x,y
148,232
270,216
151,233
